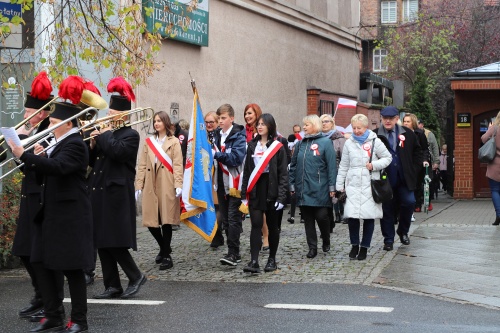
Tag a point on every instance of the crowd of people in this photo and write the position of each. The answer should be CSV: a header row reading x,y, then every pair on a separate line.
x,y
69,215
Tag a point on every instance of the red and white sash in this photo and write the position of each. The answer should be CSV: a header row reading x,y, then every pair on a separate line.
x,y
262,165
234,181
160,153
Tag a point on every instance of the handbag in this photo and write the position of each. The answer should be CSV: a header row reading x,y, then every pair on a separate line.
x,y
381,188
488,151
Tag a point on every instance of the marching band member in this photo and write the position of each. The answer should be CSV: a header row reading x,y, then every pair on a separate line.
x,y
159,177
62,238
113,157
38,98
265,179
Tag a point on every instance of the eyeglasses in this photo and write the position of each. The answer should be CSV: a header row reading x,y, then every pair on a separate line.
x,y
209,122
327,121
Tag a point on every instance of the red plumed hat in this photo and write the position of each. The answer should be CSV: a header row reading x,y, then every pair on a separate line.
x,y
41,86
72,88
89,85
119,85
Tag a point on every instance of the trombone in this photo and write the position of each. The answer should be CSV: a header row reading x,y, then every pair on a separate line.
x,y
117,121
30,142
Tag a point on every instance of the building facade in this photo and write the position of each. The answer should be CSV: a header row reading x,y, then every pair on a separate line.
x,y
265,52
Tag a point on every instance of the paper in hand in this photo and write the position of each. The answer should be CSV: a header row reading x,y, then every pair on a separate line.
x,y
10,134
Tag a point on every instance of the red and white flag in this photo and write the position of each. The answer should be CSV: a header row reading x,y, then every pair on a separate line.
x,y
346,103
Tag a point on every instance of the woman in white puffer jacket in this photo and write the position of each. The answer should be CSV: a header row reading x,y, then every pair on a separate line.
x,y
354,177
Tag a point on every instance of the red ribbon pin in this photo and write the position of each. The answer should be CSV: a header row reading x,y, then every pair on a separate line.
x,y
314,148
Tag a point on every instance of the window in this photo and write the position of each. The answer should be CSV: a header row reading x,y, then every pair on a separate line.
x,y
389,12
410,10
379,60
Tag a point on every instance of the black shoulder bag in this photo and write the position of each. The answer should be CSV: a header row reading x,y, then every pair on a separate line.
x,y
381,188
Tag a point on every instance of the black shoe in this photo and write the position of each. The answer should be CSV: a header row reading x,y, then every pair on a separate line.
x,y
38,316
362,253
49,325
291,220
271,265
110,292
230,259
326,248
89,278
215,244
405,240
252,267
265,248
166,263
74,327
497,221
35,306
387,246
159,257
312,253
134,287
354,252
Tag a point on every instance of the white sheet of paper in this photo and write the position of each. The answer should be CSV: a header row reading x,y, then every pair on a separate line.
x,y
10,134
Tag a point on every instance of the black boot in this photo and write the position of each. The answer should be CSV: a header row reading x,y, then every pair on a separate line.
x,y
362,253
252,267
497,221
354,252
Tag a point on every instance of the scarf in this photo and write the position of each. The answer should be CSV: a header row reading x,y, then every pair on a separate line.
x,y
362,138
250,132
329,133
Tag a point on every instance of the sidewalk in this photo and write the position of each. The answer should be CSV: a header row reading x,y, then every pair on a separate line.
x,y
453,254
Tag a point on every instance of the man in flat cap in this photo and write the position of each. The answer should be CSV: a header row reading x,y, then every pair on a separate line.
x,y
406,154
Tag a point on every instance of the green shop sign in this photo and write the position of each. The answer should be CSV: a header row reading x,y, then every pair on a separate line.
x,y
182,20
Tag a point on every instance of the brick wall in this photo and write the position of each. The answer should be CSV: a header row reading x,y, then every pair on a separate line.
x,y
475,97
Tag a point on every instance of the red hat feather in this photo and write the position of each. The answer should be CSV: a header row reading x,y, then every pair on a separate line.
x,y
119,85
89,85
41,86
72,88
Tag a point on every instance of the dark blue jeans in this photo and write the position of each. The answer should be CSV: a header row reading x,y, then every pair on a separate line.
x,y
368,226
495,195
404,199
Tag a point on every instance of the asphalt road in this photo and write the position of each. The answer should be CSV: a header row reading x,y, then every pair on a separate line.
x,y
240,307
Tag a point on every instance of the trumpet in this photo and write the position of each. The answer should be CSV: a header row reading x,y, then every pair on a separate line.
x,y
117,121
30,142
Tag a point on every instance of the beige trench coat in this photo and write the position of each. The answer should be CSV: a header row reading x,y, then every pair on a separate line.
x,y
158,184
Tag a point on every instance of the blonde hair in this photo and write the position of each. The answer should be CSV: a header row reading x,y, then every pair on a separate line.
x,y
212,114
497,120
360,118
328,117
313,120
414,120
183,123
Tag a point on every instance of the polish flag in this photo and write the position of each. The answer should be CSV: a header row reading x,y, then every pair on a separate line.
x,y
346,103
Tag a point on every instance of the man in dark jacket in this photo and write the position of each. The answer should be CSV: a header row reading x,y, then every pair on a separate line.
x,y
62,233
113,158
406,154
231,143
29,206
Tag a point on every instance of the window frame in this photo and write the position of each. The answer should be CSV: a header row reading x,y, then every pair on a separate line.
x,y
381,58
407,15
388,4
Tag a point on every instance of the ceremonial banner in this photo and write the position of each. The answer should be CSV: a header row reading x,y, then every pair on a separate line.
x,y
199,212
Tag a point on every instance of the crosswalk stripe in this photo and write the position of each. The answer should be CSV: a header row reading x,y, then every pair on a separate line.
x,y
330,307
118,301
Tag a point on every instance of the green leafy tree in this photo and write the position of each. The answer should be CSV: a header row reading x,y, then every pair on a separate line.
x,y
420,102
110,35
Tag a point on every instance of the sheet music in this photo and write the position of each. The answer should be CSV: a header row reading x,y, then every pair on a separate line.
x,y
10,134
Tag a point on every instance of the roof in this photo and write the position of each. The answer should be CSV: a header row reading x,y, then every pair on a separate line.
x,y
486,70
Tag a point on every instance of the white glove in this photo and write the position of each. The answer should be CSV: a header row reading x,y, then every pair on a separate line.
x,y
278,205
245,202
426,164
215,188
137,194
178,192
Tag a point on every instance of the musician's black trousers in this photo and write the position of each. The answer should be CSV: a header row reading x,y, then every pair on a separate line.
x,y
51,284
110,259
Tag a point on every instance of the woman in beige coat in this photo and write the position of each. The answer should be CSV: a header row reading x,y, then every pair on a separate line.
x,y
159,177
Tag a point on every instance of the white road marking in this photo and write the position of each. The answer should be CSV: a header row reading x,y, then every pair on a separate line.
x,y
329,307
118,301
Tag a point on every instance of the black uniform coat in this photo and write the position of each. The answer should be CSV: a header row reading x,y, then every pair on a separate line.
x,y
62,233
29,206
410,154
111,180
278,174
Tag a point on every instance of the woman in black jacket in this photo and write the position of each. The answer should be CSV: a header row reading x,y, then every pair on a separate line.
x,y
265,178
